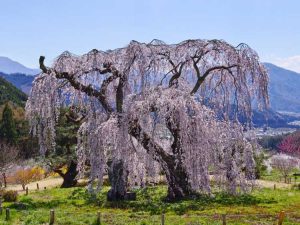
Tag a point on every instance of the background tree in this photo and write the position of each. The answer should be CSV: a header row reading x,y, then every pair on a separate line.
x,y
284,165
260,166
7,126
8,157
291,144
148,102
63,160
271,142
25,176
26,143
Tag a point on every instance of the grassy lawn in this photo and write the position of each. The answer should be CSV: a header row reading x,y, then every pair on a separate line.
x,y
275,175
75,206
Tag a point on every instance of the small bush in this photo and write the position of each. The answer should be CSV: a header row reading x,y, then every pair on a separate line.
x,y
25,176
10,196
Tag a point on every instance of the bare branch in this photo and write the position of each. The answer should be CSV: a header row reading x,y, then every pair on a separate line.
x,y
207,72
89,90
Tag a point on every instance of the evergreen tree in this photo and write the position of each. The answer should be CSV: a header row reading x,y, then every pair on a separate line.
x,y
8,126
63,160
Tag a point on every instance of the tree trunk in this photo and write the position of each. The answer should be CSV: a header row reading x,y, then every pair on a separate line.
x,y
70,176
4,180
118,178
176,174
178,185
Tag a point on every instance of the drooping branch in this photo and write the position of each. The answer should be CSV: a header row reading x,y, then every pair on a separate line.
x,y
122,80
87,89
202,78
146,141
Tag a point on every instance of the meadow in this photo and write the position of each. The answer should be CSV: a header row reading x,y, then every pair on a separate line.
x,y
76,206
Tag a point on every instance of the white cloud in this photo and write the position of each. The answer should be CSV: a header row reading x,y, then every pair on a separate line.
x,y
291,63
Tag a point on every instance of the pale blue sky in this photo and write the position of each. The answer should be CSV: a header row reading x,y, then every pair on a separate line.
x,y
29,28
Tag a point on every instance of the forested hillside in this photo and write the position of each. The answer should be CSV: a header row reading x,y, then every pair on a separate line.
x,y
9,92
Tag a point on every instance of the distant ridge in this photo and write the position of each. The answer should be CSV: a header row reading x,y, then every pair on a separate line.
x,y
284,88
21,81
9,66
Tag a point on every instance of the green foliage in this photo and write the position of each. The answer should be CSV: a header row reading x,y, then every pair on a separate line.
x,y
72,206
66,140
9,92
8,126
271,142
10,196
260,167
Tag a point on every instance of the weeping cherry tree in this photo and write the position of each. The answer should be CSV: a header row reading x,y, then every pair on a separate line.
x,y
152,107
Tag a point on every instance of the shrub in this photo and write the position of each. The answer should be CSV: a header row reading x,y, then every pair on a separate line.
x,y
25,176
10,196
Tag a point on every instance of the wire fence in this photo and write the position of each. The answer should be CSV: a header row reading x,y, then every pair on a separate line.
x,y
54,217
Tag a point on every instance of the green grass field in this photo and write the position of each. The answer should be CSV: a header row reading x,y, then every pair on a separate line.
x,y
75,206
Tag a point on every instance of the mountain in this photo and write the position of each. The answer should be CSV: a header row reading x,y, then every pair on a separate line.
x,y
21,81
9,93
9,66
284,89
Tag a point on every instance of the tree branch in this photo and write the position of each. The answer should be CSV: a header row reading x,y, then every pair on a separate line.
x,y
147,142
87,89
202,78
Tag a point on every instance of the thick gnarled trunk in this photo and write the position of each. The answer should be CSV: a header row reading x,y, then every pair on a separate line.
x,y
118,178
176,174
69,178
178,185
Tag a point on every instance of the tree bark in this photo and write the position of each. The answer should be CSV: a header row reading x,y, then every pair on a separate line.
x,y
176,174
69,178
4,180
118,178
178,185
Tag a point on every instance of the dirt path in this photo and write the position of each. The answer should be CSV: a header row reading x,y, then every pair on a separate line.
x,y
48,183
51,182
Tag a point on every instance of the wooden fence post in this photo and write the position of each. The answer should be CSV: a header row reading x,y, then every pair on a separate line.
x,y
7,214
224,219
51,222
37,186
26,190
98,221
163,219
281,217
